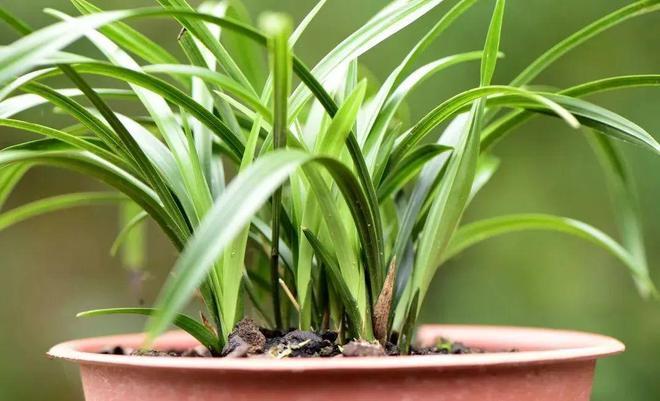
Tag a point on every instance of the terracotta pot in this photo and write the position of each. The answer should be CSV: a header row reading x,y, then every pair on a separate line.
x,y
550,365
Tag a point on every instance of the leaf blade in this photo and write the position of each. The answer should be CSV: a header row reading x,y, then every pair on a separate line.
x,y
186,323
473,233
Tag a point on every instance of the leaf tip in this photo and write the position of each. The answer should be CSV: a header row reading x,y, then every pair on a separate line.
x,y
275,23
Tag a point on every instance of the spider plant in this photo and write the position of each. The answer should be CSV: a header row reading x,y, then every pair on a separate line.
x,y
300,196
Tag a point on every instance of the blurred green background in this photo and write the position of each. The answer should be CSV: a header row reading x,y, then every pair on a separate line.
x,y
57,265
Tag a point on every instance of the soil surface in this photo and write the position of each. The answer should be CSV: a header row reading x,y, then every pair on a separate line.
x,y
250,340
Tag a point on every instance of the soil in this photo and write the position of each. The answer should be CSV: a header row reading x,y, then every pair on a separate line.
x,y
250,340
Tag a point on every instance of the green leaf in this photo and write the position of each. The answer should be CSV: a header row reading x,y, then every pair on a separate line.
x,y
486,167
213,77
235,254
492,44
77,111
125,144
622,189
124,236
163,162
17,104
200,56
339,229
386,23
18,25
205,336
52,154
362,171
497,130
408,168
10,177
27,52
204,35
248,56
609,21
473,233
636,9
326,257
128,38
332,141
424,187
302,26
375,108
57,203
23,79
602,120
449,204
372,146
613,83
171,94
456,184
535,101
72,140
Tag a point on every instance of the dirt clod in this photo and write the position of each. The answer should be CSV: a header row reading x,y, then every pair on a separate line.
x,y
330,336
302,344
236,348
245,339
392,349
363,348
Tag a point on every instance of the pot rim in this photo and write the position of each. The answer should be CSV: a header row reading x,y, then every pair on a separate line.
x,y
537,346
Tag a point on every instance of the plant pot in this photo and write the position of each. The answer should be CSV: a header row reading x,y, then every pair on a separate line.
x,y
548,365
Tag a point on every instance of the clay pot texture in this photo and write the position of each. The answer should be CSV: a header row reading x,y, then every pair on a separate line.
x,y
549,365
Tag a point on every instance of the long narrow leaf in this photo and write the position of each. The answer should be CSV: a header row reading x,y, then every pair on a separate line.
x,y
500,128
625,202
41,153
473,233
129,38
455,187
126,231
609,21
389,21
57,203
186,323
346,297
372,146
9,178
408,167
27,52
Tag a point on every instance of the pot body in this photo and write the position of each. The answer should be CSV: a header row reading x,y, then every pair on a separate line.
x,y
548,365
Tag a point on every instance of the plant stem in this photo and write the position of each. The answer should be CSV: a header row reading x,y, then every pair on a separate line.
x,y
274,259
279,28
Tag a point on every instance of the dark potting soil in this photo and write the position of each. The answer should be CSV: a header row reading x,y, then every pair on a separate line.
x,y
249,340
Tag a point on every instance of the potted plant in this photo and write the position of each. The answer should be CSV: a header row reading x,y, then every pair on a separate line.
x,y
337,214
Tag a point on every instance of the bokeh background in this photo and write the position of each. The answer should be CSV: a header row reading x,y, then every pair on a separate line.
x,y
55,266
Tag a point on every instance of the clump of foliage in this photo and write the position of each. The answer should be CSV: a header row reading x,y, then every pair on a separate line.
x,y
316,204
